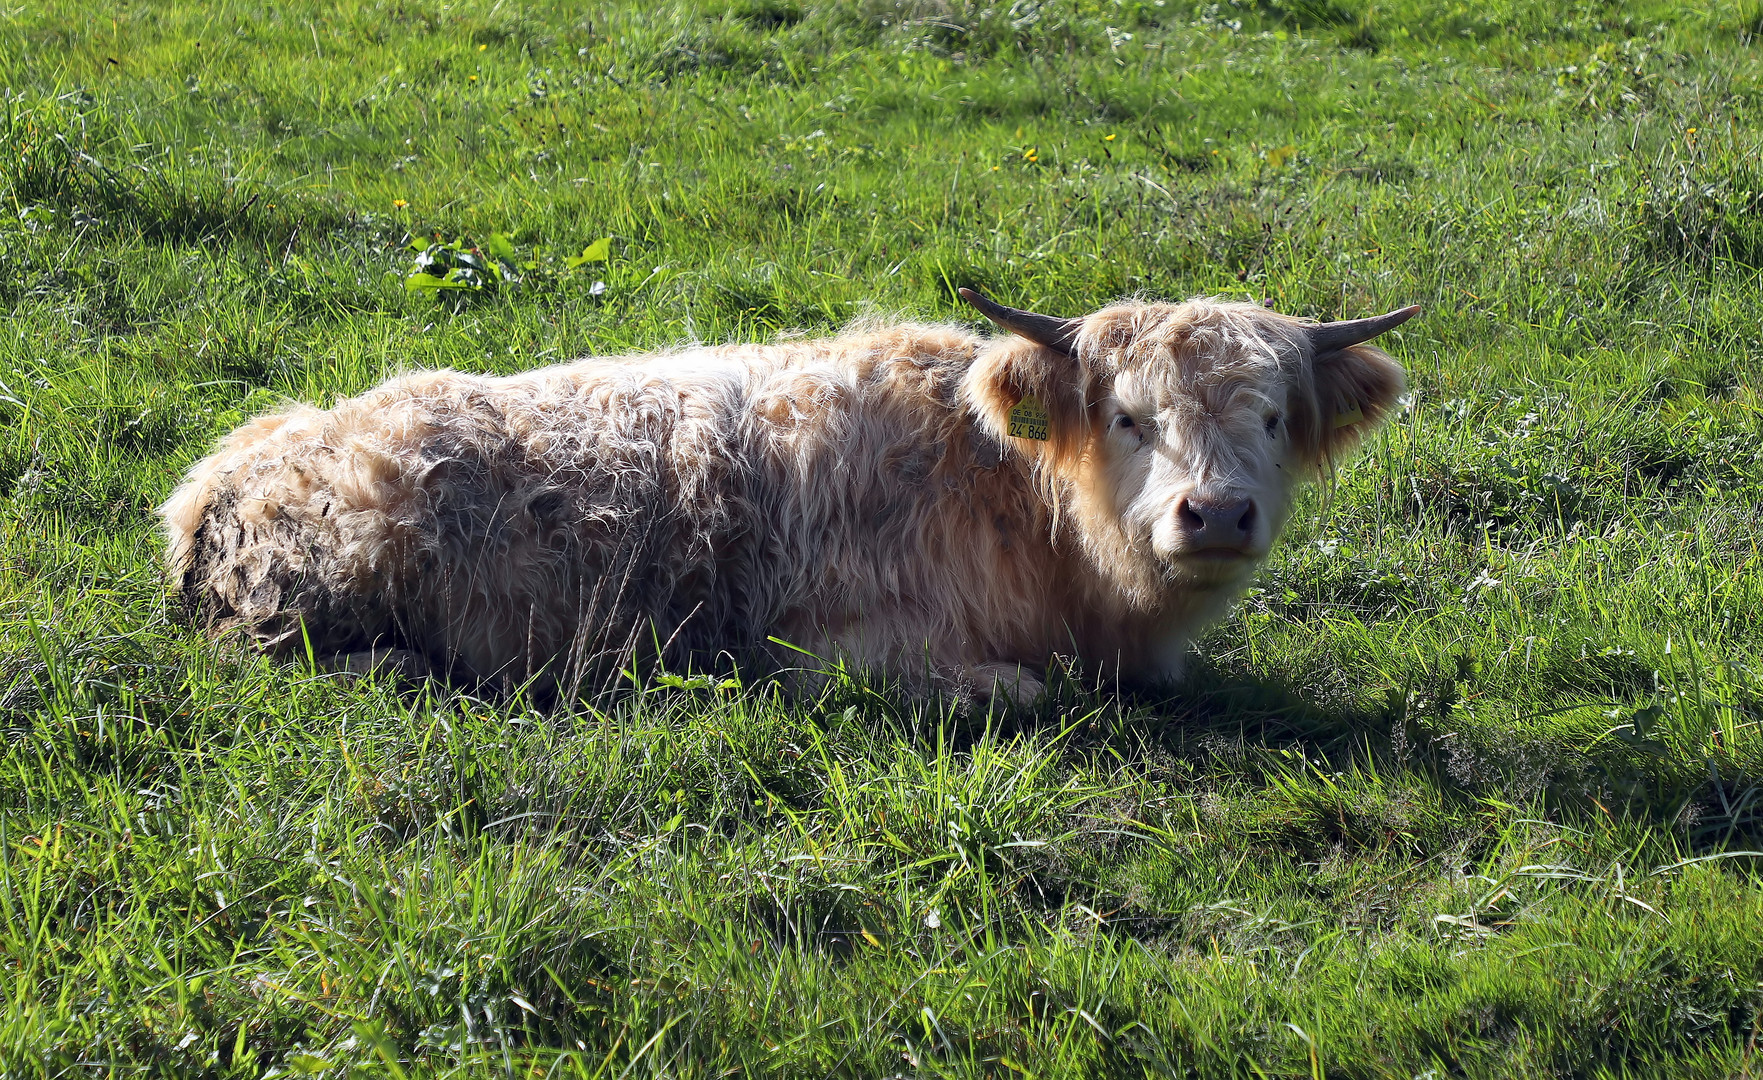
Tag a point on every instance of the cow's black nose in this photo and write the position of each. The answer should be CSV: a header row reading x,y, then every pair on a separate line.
x,y
1216,523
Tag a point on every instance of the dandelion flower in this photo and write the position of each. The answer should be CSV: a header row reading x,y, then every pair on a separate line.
x,y
472,79
399,204
481,48
1108,137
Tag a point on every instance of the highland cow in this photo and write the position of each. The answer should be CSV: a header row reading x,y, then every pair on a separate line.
x,y
947,510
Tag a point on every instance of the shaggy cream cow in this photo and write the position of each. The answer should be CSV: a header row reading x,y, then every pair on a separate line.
x,y
943,508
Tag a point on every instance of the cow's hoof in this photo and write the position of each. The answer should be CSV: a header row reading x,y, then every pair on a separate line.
x,y
398,663
1007,684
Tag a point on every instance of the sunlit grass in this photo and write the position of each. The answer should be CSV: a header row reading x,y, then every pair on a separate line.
x,y
1469,783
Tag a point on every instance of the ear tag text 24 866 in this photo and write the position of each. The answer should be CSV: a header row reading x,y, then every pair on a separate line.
x,y
1028,420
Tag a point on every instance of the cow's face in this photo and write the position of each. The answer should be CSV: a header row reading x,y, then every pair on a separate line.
x,y
1192,446
1185,429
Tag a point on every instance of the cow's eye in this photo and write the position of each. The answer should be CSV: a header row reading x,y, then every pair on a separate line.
x,y
1129,428
1273,420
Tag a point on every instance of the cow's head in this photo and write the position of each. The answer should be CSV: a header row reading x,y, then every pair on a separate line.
x,y
1171,436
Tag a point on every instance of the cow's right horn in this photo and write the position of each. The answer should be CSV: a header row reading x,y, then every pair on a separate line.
x,y
1055,334
1331,337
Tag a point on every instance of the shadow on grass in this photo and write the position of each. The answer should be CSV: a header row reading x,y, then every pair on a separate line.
x,y
1242,725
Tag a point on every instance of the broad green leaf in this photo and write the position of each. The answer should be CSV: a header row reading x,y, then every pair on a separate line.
x,y
502,247
419,282
598,251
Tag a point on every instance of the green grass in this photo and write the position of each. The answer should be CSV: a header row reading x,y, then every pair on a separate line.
x,y
1467,785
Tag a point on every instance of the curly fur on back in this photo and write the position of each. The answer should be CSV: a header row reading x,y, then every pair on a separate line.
x,y
857,495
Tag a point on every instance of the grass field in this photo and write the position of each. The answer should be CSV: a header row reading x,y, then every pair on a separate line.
x,y
1471,784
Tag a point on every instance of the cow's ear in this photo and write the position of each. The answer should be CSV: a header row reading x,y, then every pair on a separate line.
x,y
1032,398
1356,388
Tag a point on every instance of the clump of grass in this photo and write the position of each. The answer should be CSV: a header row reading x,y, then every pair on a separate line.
x,y
74,159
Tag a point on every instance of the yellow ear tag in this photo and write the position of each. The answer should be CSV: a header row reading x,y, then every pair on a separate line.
x,y
1349,417
1028,420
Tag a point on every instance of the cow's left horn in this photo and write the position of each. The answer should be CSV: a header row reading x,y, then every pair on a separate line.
x,y
1330,337
1055,334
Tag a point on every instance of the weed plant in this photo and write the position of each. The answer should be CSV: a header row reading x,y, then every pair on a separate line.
x,y
1470,784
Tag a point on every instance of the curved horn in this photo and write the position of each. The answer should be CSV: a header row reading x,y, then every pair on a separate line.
x,y
1055,334
1330,337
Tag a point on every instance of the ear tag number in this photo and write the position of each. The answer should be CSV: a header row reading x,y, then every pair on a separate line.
x,y
1349,416
1028,420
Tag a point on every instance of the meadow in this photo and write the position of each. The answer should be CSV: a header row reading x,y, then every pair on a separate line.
x,y
1469,785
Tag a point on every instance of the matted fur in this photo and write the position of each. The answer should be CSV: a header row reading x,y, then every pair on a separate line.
x,y
857,496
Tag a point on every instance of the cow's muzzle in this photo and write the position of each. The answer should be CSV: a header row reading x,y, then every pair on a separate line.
x,y
1217,527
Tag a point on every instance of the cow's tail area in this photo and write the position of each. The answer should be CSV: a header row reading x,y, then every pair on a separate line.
x,y
239,552
182,516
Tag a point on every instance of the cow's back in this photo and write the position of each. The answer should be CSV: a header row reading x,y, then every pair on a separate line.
x,y
700,501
